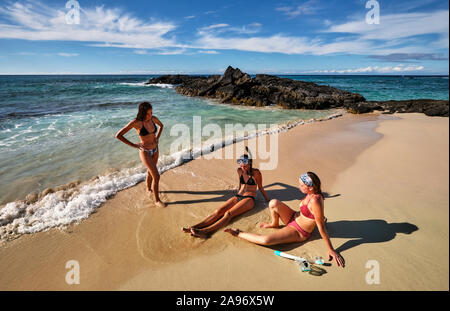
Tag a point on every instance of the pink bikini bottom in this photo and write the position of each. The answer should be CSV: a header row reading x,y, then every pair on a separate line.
x,y
294,224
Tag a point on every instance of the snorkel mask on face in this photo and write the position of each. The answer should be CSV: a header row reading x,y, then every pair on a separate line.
x,y
242,160
245,158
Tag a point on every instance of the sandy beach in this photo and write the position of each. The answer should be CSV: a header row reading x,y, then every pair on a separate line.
x,y
386,183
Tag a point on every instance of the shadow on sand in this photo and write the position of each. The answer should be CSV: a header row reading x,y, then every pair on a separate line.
x,y
358,232
286,194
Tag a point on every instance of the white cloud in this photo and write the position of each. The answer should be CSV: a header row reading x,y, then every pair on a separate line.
x,y
393,35
276,43
68,54
397,26
221,28
214,26
373,69
170,52
309,7
208,52
33,20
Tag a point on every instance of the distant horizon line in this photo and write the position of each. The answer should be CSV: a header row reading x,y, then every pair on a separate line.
x,y
208,74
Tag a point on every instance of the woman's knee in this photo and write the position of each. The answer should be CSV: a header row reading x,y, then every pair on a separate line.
x,y
155,176
227,215
220,211
273,203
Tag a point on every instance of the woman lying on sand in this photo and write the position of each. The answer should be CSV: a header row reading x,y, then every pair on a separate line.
x,y
145,125
249,180
299,225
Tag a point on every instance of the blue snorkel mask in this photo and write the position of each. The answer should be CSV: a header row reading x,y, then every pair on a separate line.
x,y
245,158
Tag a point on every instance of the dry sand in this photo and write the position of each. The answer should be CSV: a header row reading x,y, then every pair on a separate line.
x,y
383,175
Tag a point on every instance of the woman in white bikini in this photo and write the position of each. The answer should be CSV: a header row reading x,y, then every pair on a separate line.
x,y
145,125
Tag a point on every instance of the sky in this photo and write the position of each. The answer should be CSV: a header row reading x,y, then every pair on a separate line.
x,y
205,37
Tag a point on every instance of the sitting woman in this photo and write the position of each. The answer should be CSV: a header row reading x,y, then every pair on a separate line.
x,y
299,225
249,180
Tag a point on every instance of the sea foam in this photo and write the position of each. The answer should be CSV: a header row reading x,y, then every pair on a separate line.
x,y
161,85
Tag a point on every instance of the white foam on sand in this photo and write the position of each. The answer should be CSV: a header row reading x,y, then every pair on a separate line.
x,y
162,85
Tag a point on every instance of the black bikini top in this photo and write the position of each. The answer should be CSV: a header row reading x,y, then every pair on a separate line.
x,y
250,181
144,132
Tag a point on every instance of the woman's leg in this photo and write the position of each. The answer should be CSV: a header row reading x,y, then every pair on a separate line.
x,y
149,181
284,235
239,208
155,160
149,162
278,210
214,216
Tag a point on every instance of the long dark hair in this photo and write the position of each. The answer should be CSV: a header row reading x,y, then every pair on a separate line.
x,y
143,108
316,184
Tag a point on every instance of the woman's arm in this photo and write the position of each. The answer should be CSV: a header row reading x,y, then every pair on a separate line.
x,y
239,178
320,221
156,120
123,131
258,177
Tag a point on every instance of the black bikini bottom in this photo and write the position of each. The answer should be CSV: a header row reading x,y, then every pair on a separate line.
x,y
241,197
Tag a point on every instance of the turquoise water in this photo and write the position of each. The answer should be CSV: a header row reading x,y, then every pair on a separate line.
x,y
58,129
386,87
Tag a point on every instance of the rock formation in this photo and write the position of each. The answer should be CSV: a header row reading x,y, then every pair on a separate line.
x,y
236,87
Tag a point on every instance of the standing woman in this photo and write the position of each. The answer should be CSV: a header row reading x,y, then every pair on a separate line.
x,y
145,125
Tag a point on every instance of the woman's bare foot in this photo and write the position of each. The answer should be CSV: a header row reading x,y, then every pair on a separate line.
x,y
233,232
198,234
160,204
186,229
267,225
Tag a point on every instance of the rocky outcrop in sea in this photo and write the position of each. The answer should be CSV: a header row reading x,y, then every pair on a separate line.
x,y
430,107
236,87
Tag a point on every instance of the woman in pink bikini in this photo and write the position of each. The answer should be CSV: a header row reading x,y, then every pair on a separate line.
x,y
299,225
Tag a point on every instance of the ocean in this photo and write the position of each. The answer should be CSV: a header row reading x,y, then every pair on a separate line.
x,y
57,135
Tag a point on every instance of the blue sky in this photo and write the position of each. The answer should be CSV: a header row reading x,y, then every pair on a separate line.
x,y
158,37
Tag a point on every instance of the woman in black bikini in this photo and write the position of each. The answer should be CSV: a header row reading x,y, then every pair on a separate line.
x,y
250,179
145,124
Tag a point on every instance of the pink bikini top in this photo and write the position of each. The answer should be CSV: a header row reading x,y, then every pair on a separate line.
x,y
305,210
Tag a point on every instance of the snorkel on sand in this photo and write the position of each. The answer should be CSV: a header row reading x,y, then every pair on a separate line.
x,y
304,264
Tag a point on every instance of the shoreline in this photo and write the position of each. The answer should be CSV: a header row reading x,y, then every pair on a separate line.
x,y
15,209
131,245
